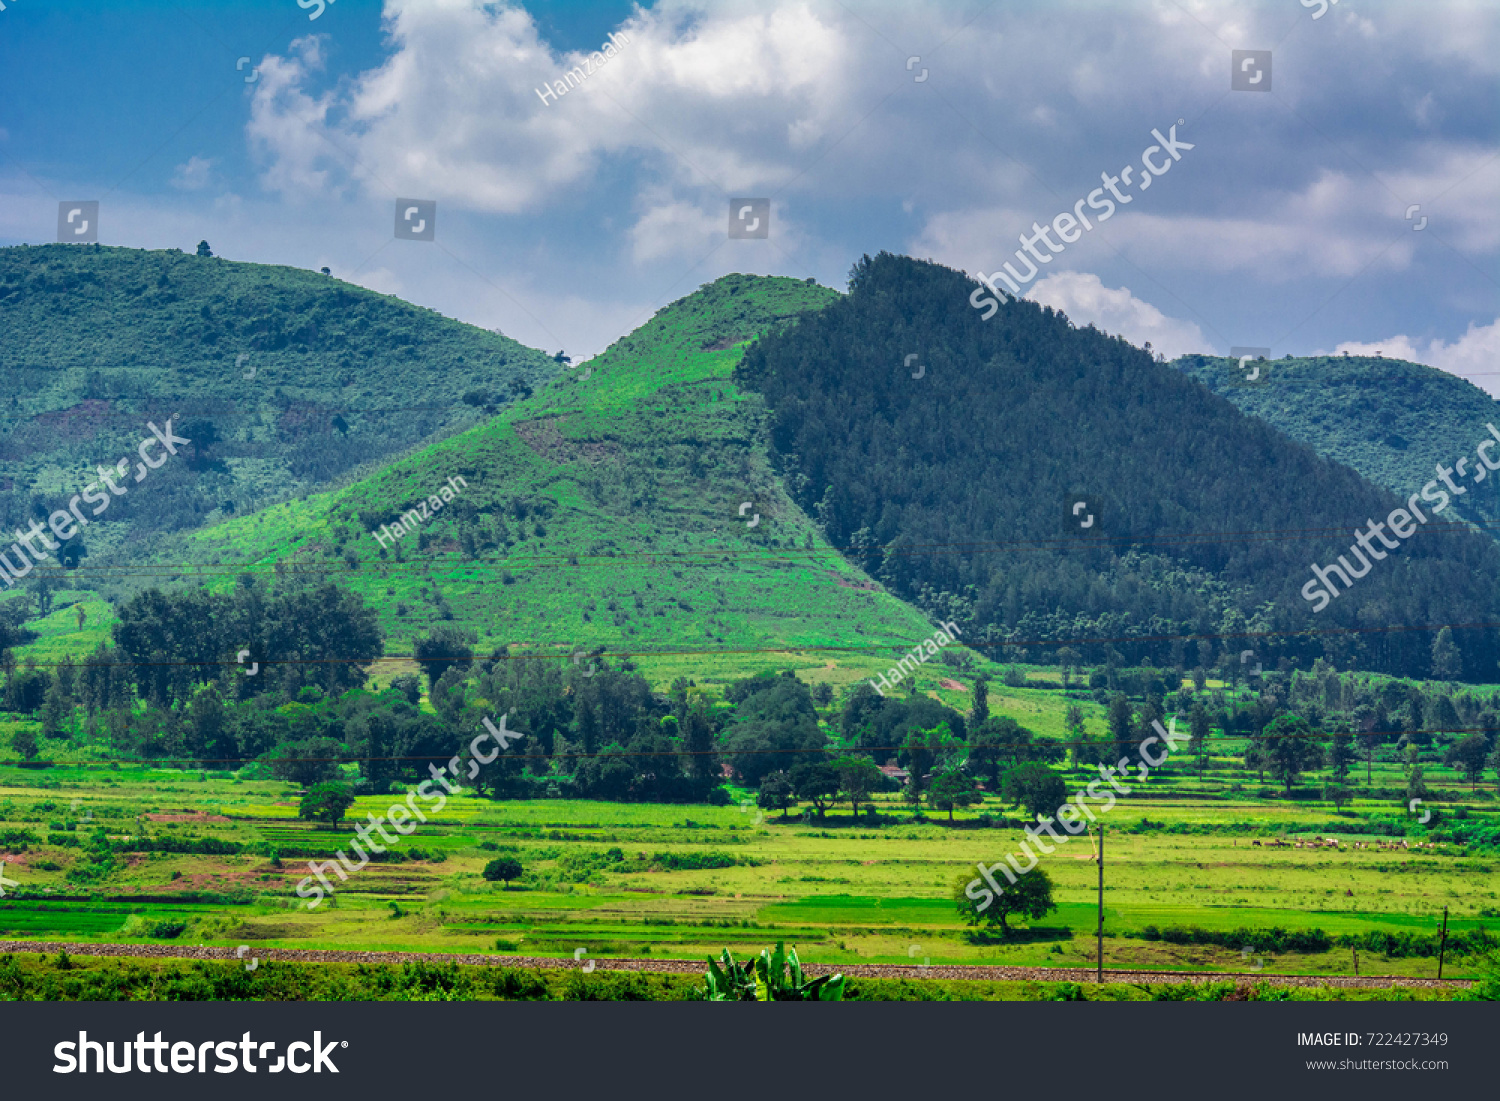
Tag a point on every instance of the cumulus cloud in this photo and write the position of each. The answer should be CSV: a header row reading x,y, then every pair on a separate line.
x,y
194,175
455,112
810,102
1087,301
1473,355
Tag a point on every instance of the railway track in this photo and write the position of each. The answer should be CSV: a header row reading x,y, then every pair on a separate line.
x,y
696,967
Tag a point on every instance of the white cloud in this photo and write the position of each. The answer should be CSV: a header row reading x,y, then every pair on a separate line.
x,y
733,100
194,175
1086,300
1473,355
675,228
810,101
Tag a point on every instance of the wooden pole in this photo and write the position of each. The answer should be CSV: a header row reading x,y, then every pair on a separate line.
x,y
1443,944
1101,907
1356,961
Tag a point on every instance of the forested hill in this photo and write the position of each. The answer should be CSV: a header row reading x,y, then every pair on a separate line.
x,y
1391,420
283,379
953,487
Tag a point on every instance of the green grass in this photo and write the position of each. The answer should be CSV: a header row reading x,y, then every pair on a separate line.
x,y
844,892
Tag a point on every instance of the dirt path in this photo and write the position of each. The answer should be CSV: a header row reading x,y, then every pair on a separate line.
x,y
696,967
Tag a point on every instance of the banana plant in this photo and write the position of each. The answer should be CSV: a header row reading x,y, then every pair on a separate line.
x,y
773,977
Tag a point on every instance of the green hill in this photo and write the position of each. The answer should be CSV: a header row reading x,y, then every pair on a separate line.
x,y
603,511
1391,420
953,488
97,342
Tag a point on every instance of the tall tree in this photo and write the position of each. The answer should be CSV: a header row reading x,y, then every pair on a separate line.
x,y
980,707
1121,727
1291,749
1199,733
858,777
1447,661
1468,755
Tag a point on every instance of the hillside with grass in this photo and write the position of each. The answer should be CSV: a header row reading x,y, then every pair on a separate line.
x,y
285,381
1391,420
605,511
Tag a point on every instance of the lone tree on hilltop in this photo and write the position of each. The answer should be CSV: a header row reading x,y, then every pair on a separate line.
x,y
204,250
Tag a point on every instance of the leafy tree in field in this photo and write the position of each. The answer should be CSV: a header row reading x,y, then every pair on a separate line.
x,y
953,788
1468,755
776,792
1200,730
1030,897
1034,786
327,802
502,869
25,744
817,783
1290,749
858,777
1338,795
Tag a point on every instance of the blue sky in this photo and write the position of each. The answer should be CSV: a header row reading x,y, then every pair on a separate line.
x,y
567,223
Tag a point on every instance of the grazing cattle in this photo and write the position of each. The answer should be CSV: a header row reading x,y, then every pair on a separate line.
x,y
1256,844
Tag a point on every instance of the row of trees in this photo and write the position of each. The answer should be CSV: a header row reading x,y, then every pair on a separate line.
x,y
164,690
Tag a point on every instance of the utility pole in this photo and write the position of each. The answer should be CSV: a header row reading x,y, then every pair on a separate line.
x,y
1356,961
1442,944
1101,909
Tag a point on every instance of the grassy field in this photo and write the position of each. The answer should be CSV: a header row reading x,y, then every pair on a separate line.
x,y
619,880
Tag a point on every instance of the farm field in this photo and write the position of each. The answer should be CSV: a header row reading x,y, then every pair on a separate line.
x,y
197,857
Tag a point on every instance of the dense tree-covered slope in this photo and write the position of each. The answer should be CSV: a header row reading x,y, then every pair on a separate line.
x,y
97,342
952,488
605,510
1391,420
